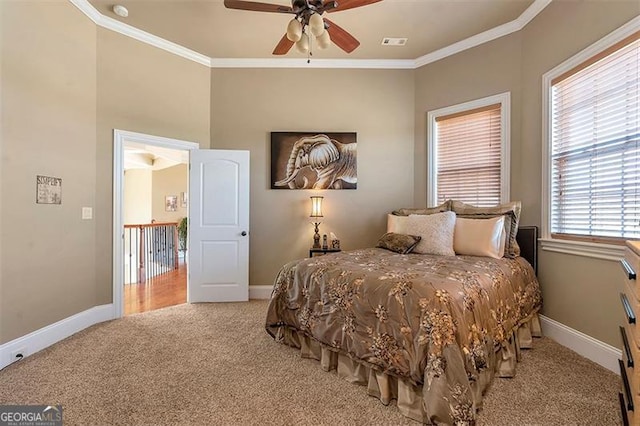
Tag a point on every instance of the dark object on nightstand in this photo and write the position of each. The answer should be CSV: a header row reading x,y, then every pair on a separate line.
x,y
321,251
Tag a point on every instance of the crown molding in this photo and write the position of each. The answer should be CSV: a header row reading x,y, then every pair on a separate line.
x,y
120,27
137,34
532,11
510,27
315,63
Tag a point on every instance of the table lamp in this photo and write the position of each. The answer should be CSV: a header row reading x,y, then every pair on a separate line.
x,y
316,214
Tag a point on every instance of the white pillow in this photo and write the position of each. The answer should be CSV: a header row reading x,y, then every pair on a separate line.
x,y
397,224
480,237
436,231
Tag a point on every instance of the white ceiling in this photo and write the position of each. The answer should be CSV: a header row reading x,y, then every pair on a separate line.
x,y
151,157
208,28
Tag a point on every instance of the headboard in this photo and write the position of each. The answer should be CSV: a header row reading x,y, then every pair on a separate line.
x,y
527,238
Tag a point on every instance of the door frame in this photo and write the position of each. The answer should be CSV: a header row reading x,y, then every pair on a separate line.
x,y
120,138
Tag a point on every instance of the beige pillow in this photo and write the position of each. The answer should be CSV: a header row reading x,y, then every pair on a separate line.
x,y
510,211
480,237
436,232
397,224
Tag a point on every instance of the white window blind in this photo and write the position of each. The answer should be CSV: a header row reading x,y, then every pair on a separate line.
x,y
469,156
595,146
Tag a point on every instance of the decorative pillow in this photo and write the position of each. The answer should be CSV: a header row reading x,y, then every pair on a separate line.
x,y
510,211
444,207
400,243
397,224
480,237
436,231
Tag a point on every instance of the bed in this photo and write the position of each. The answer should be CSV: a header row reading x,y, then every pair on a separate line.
x,y
426,330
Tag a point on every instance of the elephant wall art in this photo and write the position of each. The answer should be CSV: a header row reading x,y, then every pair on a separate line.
x,y
313,160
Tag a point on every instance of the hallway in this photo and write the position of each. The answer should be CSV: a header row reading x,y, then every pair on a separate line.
x,y
158,292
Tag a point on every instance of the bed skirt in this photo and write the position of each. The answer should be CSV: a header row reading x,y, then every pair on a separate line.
x,y
409,397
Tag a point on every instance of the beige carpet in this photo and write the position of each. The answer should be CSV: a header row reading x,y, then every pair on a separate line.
x,y
214,364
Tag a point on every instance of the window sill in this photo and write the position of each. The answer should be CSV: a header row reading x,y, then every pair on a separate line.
x,y
581,248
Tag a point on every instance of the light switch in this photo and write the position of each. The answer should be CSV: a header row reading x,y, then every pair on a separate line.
x,y
87,213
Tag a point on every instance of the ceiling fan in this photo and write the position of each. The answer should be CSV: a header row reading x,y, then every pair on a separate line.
x,y
308,18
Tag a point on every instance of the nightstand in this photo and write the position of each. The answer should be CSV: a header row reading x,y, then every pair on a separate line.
x,y
321,251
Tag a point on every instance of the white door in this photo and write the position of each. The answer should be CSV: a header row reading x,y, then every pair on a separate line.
x,y
218,247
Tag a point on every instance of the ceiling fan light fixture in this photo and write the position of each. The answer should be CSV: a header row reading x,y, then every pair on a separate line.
x,y
308,23
294,30
324,40
303,44
316,24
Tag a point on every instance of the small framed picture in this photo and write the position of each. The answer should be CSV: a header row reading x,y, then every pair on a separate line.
x,y
184,199
171,203
48,190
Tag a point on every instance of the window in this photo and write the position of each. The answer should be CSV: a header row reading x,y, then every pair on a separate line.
x,y
594,153
469,152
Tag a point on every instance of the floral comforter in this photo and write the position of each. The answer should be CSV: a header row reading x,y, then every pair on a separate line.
x,y
434,321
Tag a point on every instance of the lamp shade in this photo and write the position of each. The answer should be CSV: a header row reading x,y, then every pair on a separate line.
x,y
294,30
324,40
316,206
303,44
316,24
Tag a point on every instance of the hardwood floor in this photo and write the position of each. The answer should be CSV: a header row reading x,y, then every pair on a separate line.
x,y
159,292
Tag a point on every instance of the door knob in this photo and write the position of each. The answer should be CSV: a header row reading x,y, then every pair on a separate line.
x,y
243,233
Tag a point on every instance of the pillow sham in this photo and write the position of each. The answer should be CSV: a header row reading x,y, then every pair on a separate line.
x,y
479,237
436,232
510,211
444,207
399,243
397,224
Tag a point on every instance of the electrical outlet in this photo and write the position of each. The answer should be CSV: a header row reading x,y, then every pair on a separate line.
x,y
18,354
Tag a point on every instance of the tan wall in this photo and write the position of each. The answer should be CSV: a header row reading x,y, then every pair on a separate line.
x,y
146,90
63,93
48,97
486,70
137,196
578,291
583,293
169,181
248,104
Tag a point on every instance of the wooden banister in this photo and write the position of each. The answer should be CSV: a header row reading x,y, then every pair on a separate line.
x,y
157,249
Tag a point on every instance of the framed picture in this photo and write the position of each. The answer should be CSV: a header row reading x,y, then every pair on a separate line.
x,y
314,160
184,199
171,203
48,190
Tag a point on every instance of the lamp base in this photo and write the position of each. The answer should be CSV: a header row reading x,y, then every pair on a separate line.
x,y
316,236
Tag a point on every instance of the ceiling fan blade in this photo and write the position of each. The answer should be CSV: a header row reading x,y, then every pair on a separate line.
x,y
350,4
256,6
341,37
284,45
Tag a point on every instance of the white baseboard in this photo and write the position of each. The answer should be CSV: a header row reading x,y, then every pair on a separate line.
x,y
260,292
53,333
590,348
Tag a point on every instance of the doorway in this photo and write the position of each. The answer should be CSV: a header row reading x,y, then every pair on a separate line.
x,y
150,205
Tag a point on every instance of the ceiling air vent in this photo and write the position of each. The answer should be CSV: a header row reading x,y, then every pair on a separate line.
x,y
394,41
